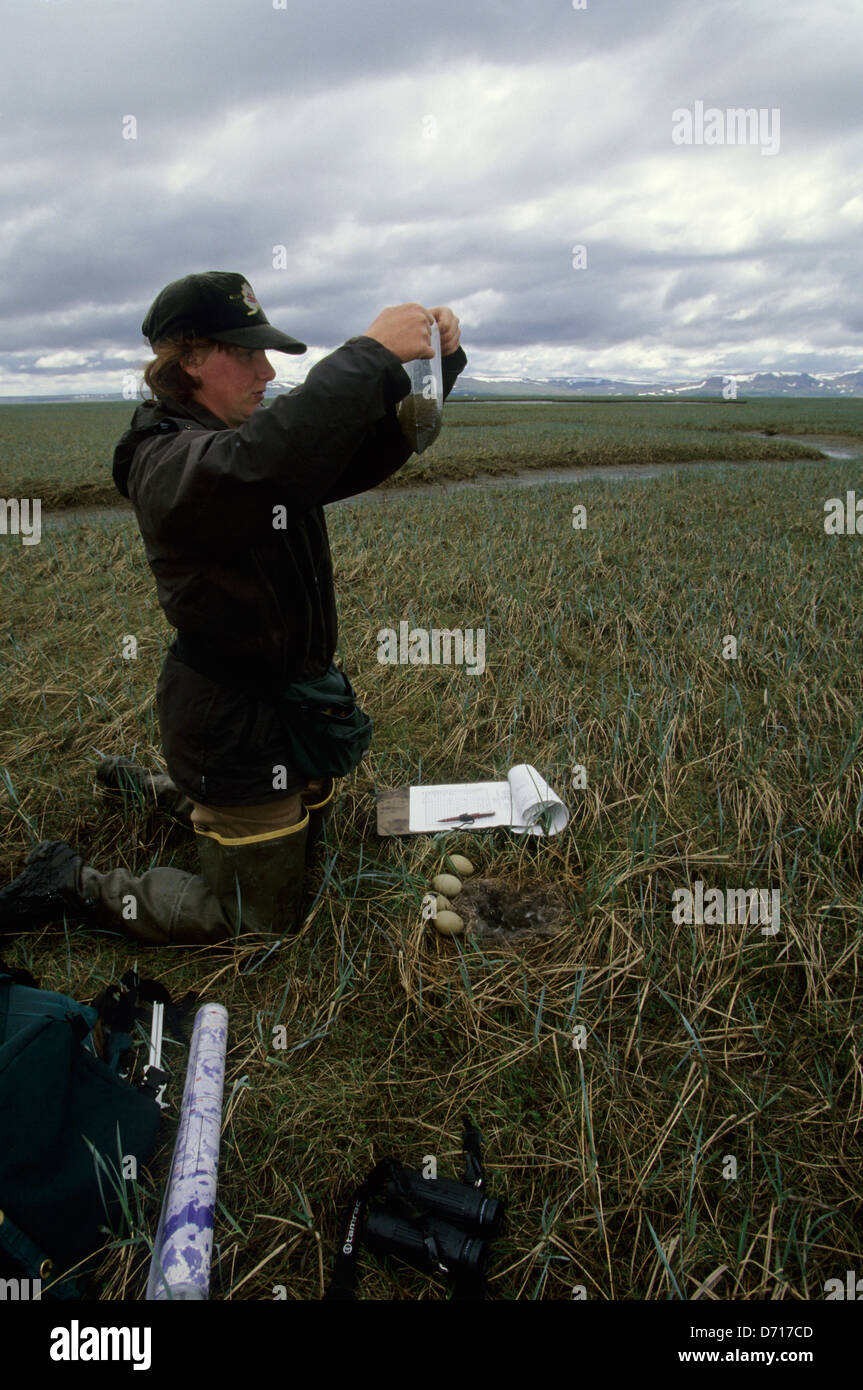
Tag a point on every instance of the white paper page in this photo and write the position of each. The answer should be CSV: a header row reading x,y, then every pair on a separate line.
x,y
531,794
430,805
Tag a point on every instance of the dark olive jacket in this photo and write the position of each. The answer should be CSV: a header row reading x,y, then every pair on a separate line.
x,y
234,531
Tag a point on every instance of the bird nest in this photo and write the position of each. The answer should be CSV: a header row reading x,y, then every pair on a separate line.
x,y
495,911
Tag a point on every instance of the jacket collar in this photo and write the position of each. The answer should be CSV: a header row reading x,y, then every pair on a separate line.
x,y
147,419
166,407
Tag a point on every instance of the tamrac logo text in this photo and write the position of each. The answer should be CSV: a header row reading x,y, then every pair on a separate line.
x,y
77,1343
351,1231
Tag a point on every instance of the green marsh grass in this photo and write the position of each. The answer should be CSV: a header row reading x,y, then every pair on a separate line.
x,y
703,1043
62,452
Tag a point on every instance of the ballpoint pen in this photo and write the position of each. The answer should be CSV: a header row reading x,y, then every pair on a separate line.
x,y
466,816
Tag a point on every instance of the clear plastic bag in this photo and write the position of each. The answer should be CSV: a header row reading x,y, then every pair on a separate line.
x,y
420,414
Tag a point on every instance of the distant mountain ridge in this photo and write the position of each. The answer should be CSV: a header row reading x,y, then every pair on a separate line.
x,y
748,384
821,384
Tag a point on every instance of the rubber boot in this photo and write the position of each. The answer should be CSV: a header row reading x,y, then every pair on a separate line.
x,y
164,907
121,774
258,879
47,890
319,813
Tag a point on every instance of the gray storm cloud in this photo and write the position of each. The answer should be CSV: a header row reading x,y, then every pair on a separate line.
x,y
345,157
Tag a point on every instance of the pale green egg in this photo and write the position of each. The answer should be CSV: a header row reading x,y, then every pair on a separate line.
x,y
447,884
461,865
449,923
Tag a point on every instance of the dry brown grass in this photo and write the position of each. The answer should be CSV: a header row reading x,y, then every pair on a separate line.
x,y
701,1042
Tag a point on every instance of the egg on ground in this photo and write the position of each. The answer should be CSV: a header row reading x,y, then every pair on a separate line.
x,y
449,924
447,884
461,865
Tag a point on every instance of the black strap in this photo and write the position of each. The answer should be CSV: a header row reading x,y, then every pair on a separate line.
x,y
465,1285
344,1281
474,1173
22,1249
37,1265
471,1286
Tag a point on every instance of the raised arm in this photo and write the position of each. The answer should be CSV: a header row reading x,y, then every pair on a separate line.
x,y
385,450
208,484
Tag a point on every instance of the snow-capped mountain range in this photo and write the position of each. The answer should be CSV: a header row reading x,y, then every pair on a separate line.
x,y
747,384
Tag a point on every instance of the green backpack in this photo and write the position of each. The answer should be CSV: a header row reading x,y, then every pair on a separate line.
x,y
60,1088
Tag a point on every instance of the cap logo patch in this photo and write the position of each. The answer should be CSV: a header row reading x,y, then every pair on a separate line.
x,y
247,295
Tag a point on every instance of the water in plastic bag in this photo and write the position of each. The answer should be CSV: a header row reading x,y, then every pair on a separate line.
x,y
420,414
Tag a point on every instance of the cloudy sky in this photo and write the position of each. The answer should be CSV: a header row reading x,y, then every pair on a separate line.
x,y
345,156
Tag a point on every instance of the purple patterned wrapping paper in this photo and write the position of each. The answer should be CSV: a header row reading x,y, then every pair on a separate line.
x,y
184,1241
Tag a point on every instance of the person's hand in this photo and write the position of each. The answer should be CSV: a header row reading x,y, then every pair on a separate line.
x,y
449,330
405,329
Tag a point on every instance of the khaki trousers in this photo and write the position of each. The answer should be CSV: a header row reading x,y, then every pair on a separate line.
x,y
171,907
245,822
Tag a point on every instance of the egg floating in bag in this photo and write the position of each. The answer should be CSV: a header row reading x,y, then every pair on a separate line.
x,y
420,415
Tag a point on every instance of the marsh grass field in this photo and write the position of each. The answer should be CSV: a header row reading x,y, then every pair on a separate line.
x,y
62,452
604,647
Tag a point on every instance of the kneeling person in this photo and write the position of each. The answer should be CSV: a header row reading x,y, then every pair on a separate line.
x,y
229,499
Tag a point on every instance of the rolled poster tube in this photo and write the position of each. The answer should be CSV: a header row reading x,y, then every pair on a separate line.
x,y
180,1267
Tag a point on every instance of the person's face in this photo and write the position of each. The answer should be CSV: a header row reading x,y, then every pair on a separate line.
x,y
233,381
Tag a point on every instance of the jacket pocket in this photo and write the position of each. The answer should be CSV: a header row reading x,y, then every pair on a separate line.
x,y
328,732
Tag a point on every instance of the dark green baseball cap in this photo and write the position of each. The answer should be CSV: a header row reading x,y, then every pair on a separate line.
x,y
217,304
